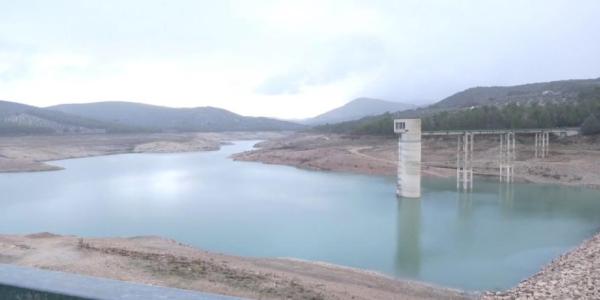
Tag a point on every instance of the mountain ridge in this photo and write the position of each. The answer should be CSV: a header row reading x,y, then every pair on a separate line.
x,y
18,118
163,118
564,103
356,109
558,91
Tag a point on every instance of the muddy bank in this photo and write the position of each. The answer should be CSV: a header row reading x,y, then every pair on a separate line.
x,y
573,161
574,275
30,153
157,261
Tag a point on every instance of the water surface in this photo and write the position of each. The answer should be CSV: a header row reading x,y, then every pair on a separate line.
x,y
490,239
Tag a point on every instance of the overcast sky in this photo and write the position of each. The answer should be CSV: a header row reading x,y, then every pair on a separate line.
x,y
287,59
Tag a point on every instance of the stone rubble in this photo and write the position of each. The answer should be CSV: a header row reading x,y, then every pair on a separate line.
x,y
573,275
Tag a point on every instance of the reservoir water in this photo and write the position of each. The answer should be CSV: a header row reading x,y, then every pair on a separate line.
x,y
489,239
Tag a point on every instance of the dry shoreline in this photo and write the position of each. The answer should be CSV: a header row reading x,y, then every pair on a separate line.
x,y
32,153
158,261
573,161
164,262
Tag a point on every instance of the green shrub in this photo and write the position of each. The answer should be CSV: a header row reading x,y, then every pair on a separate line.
x,y
591,125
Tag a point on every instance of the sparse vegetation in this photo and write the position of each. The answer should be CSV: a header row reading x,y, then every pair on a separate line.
x,y
20,119
591,125
513,115
124,117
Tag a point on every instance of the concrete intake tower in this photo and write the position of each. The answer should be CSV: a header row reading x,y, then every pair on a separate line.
x,y
409,157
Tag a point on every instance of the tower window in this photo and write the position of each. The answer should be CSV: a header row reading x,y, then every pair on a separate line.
x,y
400,125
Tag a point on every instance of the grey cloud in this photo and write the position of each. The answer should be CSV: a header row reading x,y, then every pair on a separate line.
x,y
17,59
327,63
420,49
289,83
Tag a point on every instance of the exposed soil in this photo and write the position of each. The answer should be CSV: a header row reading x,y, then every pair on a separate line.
x,y
158,261
30,153
572,161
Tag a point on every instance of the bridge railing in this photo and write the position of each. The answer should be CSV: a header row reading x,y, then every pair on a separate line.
x,y
563,130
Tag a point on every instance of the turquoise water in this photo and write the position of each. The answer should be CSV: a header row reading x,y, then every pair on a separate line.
x,y
490,239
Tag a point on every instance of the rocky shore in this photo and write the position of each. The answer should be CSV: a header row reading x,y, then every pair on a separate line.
x,y
574,275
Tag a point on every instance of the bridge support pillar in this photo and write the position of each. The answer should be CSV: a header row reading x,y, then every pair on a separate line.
x,y
541,143
546,144
464,161
507,156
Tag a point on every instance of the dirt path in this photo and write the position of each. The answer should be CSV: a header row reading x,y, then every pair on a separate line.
x,y
358,151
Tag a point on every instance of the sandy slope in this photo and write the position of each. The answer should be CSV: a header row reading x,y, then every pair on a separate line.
x,y
158,261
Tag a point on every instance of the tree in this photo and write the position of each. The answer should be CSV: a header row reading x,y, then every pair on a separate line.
x,y
591,125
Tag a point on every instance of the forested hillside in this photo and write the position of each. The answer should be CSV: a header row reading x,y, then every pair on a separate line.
x,y
542,93
17,119
160,118
586,105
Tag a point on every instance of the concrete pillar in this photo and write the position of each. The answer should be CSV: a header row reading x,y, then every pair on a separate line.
x,y
464,161
535,145
459,142
543,134
507,156
471,143
547,144
409,157
501,159
513,156
542,144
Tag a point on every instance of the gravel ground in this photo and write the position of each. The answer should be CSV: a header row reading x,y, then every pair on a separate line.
x,y
574,275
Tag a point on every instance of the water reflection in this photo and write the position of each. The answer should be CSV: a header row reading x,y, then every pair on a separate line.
x,y
506,196
465,204
408,244
212,202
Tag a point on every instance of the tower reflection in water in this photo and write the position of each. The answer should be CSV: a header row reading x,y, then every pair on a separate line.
x,y
408,244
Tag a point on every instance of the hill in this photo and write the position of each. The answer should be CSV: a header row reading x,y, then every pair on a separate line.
x,y
16,119
159,118
555,92
539,105
356,109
